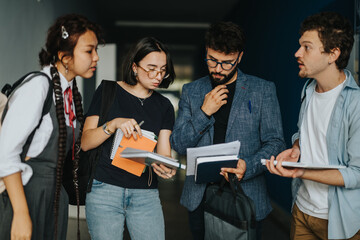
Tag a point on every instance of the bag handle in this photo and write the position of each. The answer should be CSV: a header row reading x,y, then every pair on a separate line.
x,y
236,186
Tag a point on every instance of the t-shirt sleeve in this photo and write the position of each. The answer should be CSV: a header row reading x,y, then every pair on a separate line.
x,y
169,116
94,109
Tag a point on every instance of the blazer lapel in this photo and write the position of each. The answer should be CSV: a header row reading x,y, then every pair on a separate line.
x,y
240,96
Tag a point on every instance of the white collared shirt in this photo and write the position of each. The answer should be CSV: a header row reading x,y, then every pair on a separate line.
x,y
24,113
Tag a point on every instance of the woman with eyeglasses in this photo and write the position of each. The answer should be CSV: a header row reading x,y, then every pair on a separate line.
x,y
118,196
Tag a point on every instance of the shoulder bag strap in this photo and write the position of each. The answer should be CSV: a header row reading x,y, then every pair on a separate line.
x,y
107,98
304,89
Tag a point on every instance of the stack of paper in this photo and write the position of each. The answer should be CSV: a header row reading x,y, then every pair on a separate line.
x,y
216,156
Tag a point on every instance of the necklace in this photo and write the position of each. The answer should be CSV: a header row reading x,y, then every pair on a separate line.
x,y
143,99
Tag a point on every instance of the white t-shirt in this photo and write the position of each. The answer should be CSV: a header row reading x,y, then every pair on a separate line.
x,y
312,198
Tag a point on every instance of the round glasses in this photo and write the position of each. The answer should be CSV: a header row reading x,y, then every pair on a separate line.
x,y
224,65
152,73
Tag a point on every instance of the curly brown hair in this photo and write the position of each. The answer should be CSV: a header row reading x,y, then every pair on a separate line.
x,y
335,31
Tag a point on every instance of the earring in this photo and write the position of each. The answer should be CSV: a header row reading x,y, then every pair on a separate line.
x,y
135,73
66,69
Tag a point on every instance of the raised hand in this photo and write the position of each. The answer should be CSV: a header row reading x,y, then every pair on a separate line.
x,y
214,100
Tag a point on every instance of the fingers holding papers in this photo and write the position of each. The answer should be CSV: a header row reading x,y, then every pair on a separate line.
x,y
281,171
239,171
163,171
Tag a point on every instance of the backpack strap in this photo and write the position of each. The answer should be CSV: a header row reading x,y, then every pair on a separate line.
x,y
46,108
303,94
107,98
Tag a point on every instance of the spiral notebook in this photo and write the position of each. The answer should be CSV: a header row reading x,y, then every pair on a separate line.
x,y
147,142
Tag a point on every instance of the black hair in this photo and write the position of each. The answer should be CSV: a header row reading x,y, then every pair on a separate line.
x,y
225,37
75,25
138,52
335,31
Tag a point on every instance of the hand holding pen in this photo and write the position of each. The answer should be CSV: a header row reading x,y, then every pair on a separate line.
x,y
129,127
137,129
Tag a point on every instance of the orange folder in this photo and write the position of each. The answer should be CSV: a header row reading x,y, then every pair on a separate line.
x,y
129,165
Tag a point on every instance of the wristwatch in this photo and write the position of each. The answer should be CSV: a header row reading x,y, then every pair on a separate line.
x,y
106,130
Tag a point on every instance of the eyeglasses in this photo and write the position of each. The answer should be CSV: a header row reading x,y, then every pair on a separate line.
x,y
152,73
224,65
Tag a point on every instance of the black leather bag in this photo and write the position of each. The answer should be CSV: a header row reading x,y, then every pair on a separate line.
x,y
229,213
88,160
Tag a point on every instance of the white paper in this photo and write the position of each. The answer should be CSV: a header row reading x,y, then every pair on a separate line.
x,y
305,165
231,148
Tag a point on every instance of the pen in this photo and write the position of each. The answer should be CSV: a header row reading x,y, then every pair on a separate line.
x,y
141,123
250,106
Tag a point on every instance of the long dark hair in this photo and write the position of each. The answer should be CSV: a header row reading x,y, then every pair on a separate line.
x,y
75,25
137,53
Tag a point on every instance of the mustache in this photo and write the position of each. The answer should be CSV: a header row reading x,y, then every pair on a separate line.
x,y
213,74
299,61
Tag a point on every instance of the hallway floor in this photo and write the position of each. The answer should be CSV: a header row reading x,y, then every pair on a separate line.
x,y
176,219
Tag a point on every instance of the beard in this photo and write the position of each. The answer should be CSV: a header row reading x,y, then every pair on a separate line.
x,y
303,74
226,78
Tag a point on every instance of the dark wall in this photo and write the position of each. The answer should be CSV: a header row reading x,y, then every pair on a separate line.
x,y
272,29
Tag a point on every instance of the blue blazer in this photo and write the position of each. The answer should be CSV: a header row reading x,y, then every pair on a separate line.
x,y
254,120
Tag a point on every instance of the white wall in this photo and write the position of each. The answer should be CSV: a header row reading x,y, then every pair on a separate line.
x,y
22,34
23,31
106,68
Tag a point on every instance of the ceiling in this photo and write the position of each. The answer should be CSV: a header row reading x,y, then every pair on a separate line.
x,y
174,22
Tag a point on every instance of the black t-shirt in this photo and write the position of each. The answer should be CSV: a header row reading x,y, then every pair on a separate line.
x,y
157,113
222,116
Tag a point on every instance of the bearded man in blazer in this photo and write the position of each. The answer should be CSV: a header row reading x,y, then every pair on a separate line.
x,y
225,106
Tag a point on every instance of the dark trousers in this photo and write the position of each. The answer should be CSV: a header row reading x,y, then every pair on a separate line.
x,y
197,223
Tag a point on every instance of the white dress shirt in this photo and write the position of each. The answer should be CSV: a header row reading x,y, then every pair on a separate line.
x,y
24,113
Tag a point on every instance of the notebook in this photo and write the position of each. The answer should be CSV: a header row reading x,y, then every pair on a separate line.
x,y
151,157
207,169
305,165
147,142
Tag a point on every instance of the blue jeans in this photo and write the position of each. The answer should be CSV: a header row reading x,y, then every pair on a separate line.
x,y
109,206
